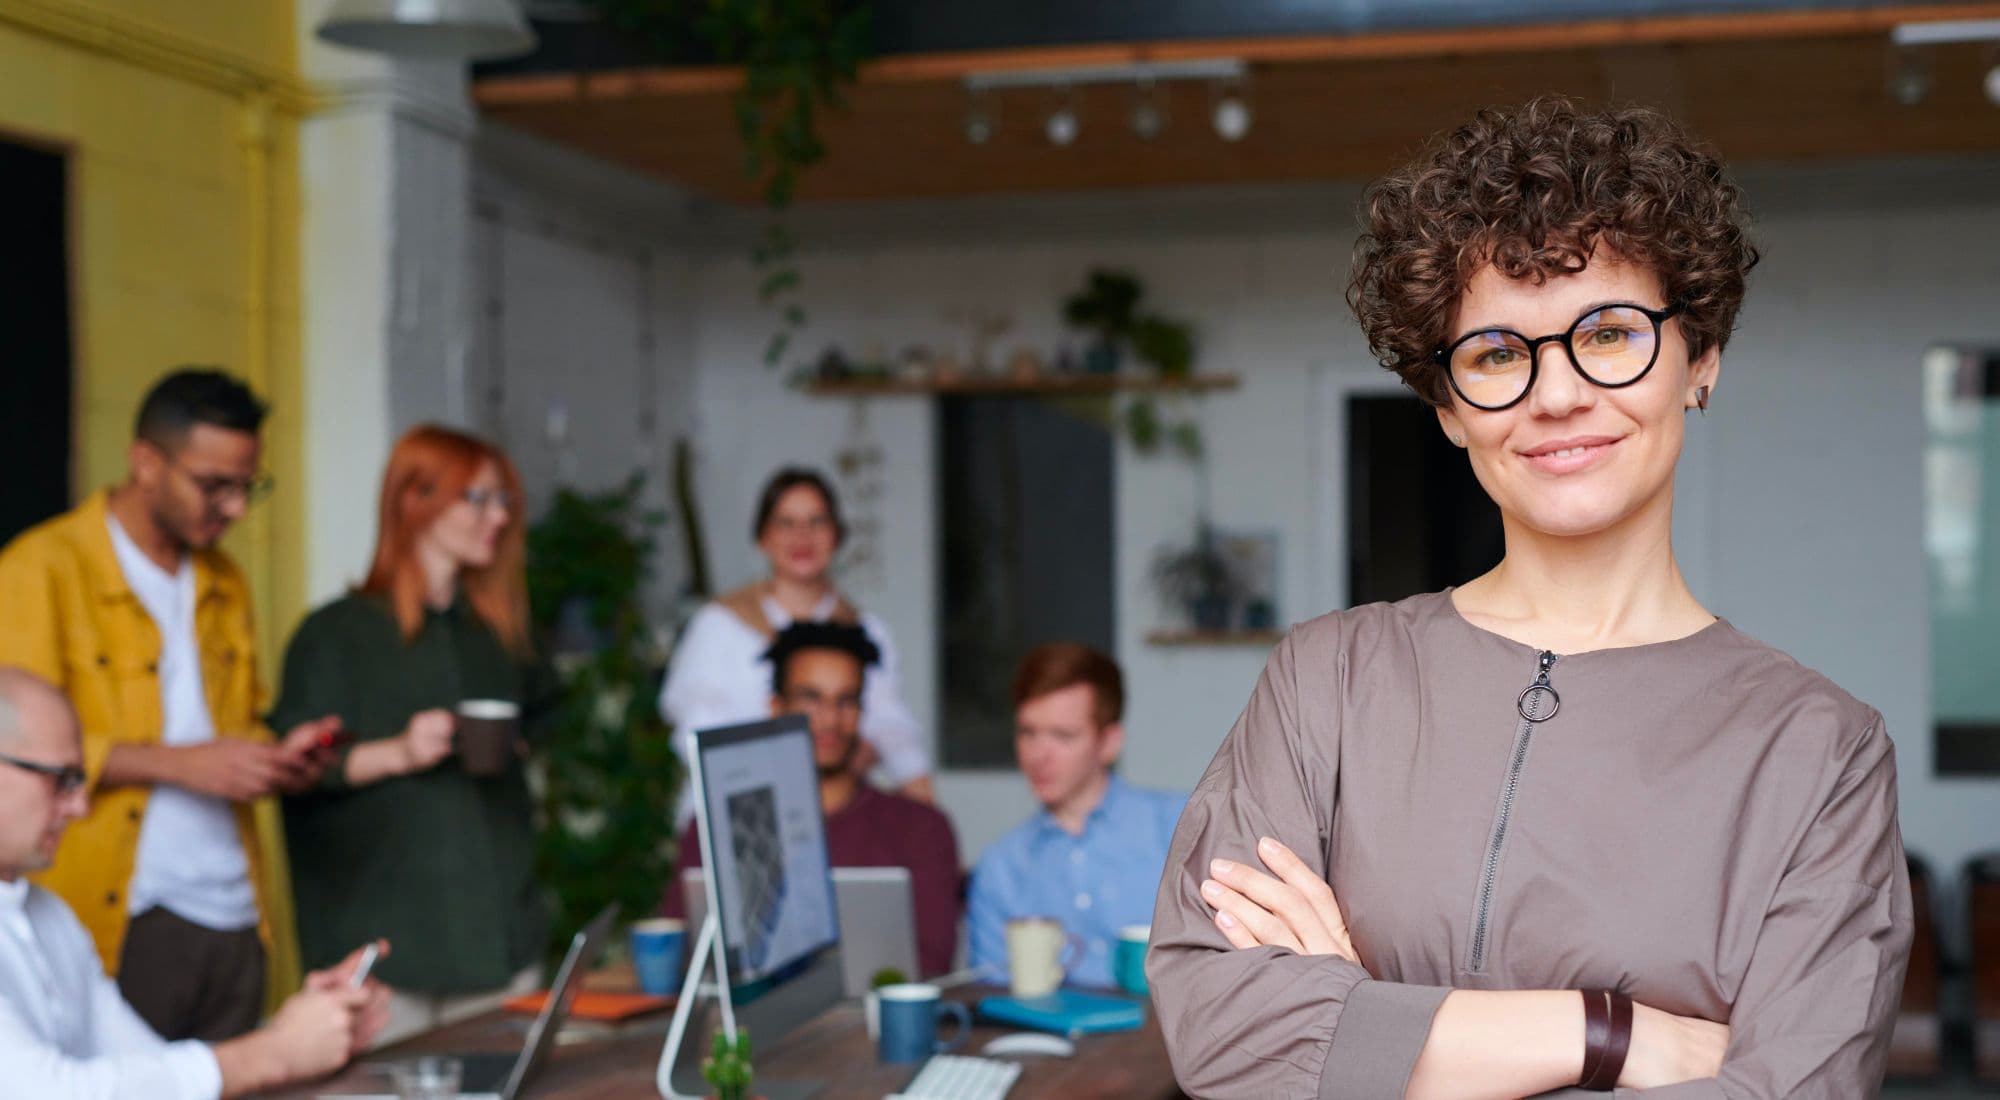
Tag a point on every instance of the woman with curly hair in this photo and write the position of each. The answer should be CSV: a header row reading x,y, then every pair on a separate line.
x,y
1560,827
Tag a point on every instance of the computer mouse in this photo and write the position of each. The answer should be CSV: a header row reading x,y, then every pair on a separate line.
x,y
1029,1042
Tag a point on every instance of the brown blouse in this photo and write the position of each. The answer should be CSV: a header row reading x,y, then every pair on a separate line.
x,y
1702,823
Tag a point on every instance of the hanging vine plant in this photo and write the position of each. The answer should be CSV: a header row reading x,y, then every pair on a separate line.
x,y
798,58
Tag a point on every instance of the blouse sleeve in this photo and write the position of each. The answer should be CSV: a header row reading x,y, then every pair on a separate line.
x,y
315,683
886,720
696,694
1265,1021
1814,1014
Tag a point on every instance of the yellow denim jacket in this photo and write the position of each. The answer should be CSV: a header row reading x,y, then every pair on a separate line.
x,y
67,615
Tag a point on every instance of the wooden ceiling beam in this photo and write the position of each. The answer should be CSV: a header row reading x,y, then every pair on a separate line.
x,y
704,80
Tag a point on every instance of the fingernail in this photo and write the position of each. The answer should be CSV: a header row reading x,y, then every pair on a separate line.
x,y
1266,844
1211,890
1220,867
1225,920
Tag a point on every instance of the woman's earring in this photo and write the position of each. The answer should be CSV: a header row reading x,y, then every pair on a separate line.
x,y
1457,440
1701,399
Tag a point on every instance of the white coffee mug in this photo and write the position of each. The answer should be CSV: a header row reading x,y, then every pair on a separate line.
x,y
1038,954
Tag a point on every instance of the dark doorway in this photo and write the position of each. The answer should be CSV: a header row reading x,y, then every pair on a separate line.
x,y
1417,519
1026,489
34,313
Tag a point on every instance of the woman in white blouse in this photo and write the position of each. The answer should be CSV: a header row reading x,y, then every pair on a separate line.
x,y
719,676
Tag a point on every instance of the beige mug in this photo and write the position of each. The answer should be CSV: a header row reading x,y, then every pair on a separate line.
x,y
1039,952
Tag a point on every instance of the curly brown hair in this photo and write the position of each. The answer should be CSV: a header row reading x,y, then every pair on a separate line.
x,y
1533,191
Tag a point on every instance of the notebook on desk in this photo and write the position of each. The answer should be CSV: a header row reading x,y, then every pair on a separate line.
x,y
1066,1012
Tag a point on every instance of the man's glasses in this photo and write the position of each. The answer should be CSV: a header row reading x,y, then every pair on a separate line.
x,y
813,701
218,488
1610,346
68,777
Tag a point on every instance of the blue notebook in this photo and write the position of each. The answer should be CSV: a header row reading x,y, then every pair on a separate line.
x,y
1066,1012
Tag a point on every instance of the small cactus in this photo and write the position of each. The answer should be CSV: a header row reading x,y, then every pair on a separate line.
x,y
727,1068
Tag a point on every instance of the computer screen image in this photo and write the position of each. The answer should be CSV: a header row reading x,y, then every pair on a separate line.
x,y
766,844
770,893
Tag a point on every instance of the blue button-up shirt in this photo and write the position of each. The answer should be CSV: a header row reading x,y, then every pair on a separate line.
x,y
1094,884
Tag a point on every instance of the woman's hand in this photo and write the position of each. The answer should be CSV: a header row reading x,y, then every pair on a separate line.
x,y
1294,910
427,739
1668,1049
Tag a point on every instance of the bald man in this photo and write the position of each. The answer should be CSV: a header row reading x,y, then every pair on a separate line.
x,y
65,1032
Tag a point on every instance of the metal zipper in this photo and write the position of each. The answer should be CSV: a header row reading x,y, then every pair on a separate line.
x,y
1537,703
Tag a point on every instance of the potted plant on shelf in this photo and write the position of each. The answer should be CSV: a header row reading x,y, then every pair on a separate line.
x,y
1198,579
727,1067
1104,307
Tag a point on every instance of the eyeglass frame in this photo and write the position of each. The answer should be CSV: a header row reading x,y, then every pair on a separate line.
x,y
254,489
68,778
1659,317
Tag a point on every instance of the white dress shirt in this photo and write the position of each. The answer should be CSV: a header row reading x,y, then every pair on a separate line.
x,y
65,1033
190,859
718,677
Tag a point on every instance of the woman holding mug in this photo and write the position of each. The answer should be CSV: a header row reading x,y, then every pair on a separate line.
x,y
1560,827
417,833
719,676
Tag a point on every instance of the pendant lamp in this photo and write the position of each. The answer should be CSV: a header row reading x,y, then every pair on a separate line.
x,y
469,30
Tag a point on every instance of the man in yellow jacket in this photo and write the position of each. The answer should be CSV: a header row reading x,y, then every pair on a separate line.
x,y
126,605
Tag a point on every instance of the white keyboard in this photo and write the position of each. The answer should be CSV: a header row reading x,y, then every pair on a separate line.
x,y
958,1077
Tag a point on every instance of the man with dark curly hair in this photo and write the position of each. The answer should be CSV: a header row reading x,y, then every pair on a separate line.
x,y
1560,827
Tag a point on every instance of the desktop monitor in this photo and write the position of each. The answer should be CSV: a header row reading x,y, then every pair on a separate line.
x,y
770,887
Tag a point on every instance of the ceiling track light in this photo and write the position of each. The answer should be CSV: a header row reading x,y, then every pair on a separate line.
x,y
1910,77
1070,76
982,118
1062,125
1946,32
1149,110
1231,110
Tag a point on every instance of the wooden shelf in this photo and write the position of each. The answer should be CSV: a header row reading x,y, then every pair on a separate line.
x,y
988,385
1261,638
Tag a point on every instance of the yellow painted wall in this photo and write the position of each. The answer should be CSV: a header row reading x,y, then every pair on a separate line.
x,y
180,122
184,224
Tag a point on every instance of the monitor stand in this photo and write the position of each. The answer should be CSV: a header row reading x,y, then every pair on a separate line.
x,y
772,1016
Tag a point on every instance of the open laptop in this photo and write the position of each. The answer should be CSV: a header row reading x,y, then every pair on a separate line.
x,y
489,1076
877,913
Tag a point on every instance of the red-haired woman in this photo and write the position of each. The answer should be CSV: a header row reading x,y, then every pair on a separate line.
x,y
399,839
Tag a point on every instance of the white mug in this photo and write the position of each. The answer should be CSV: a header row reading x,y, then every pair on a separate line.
x,y
1038,954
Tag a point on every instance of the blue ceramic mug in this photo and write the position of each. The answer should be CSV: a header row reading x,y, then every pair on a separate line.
x,y
1128,961
909,1022
657,947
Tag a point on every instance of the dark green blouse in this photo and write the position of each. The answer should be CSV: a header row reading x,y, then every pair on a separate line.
x,y
439,861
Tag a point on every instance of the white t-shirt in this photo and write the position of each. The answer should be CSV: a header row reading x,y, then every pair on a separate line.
x,y
65,1033
190,860
718,677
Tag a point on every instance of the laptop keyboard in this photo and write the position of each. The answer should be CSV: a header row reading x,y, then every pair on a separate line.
x,y
959,1077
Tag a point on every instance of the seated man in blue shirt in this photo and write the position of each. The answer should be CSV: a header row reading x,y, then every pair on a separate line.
x,y
1092,857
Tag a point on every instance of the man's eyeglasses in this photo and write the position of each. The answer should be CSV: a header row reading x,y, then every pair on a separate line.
x,y
68,777
218,488
814,701
1611,346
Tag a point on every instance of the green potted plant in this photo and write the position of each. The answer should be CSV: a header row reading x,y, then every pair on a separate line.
x,y
1105,307
727,1067
1165,344
605,776
1199,580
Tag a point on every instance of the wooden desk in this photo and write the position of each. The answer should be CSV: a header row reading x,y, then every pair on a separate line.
x,y
833,1049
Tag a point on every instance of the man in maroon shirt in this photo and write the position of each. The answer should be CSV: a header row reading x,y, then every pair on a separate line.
x,y
817,670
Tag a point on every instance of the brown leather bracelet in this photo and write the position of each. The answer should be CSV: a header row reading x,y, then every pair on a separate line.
x,y
1596,1033
1616,1045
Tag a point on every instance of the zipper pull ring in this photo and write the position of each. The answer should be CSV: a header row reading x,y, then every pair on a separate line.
x,y
1539,701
